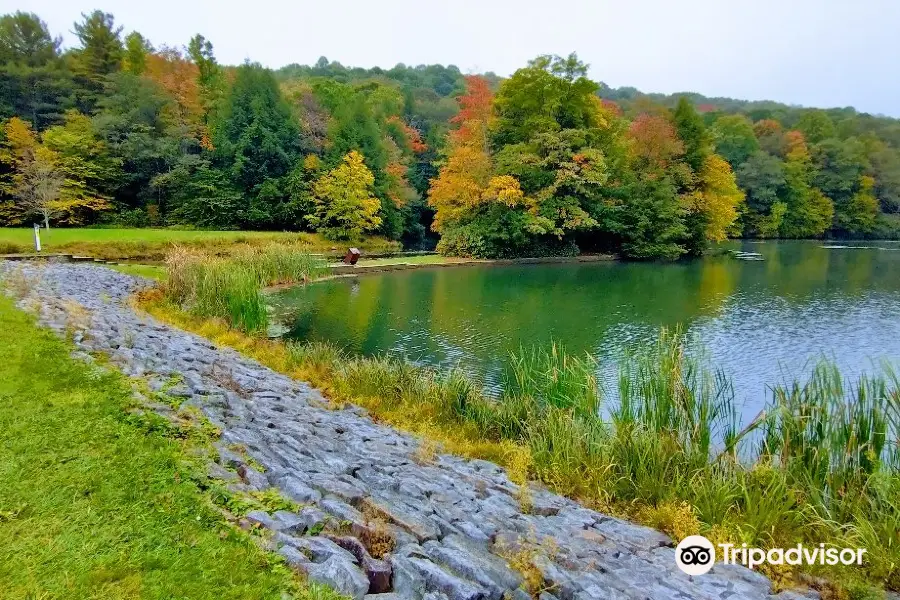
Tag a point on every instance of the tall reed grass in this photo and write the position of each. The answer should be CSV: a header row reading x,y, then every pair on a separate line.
x,y
230,287
820,464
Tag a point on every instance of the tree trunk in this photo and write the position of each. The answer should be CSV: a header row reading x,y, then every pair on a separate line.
x,y
47,221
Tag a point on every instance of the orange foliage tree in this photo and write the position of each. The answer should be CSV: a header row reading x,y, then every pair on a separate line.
x,y
178,77
466,173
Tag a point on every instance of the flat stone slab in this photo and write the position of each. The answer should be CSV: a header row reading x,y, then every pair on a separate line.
x,y
446,518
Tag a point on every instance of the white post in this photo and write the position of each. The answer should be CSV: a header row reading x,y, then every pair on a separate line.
x,y
37,237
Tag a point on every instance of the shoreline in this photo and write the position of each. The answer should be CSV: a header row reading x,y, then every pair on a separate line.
x,y
341,271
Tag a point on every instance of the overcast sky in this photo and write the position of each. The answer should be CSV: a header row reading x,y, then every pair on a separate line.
x,y
811,52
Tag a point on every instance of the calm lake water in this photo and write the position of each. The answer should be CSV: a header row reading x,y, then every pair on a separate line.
x,y
761,321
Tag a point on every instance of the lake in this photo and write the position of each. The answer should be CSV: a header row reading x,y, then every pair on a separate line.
x,y
759,320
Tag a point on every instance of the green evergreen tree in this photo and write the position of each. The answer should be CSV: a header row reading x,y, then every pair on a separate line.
x,y
101,51
256,141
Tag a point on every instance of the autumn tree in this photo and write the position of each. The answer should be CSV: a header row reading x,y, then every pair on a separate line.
x,y
650,218
40,185
718,198
87,167
345,205
770,135
468,168
178,77
562,175
16,153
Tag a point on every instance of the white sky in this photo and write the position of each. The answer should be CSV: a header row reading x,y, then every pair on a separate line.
x,y
811,52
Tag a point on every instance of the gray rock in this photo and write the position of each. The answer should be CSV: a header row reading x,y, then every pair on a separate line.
x,y
342,511
312,518
417,524
377,571
438,579
294,558
298,491
408,582
216,471
263,519
345,491
252,478
635,536
341,575
319,549
229,458
474,564
289,522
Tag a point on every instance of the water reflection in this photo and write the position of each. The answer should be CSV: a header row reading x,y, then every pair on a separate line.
x,y
759,320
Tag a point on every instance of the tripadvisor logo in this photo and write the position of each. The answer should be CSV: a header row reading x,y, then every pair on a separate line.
x,y
695,555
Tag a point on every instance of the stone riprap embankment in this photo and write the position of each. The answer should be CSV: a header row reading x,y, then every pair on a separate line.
x,y
455,523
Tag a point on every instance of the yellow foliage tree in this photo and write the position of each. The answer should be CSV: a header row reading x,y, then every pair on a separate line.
x,y
16,152
84,160
345,206
718,197
460,184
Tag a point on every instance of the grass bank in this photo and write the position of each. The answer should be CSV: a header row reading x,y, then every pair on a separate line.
x,y
154,244
819,466
97,502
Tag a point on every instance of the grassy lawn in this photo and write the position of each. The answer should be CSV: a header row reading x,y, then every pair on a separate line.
x,y
153,244
96,503
157,272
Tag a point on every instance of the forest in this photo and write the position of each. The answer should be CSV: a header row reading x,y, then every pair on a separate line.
x,y
118,132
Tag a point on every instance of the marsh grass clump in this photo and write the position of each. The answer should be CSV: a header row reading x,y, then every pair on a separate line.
x,y
230,287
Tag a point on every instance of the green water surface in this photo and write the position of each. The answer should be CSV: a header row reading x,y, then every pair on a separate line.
x,y
760,320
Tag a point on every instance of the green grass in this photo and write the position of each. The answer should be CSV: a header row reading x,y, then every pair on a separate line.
x,y
156,272
154,244
230,288
98,504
